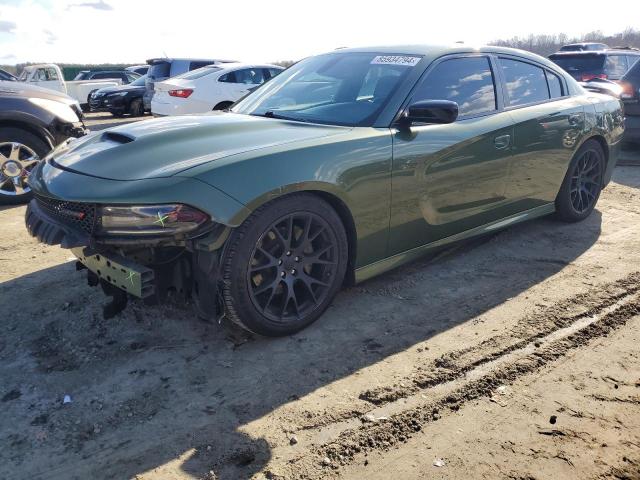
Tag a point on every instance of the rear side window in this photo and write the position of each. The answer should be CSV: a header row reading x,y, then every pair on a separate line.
x,y
200,72
250,76
195,65
555,85
228,78
525,82
616,66
632,60
466,81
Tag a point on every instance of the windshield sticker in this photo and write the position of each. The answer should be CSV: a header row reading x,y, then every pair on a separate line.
x,y
395,60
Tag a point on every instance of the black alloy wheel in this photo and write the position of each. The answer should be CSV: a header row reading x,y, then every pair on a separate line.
x,y
586,181
284,265
292,267
582,184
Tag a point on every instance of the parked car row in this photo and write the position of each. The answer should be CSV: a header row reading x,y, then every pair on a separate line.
x,y
85,83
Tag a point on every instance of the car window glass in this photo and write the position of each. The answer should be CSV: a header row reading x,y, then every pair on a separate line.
x,y
631,61
130,77
228,77
159,70
525,83
615,65
250,76
555,85
466,81
52,74
200,72
194,65
40,75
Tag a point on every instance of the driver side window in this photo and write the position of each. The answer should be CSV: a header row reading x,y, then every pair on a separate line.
x,y
467,81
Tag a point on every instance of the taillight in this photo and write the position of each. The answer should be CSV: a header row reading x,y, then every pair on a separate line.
x,y
590,76
627,90
182,93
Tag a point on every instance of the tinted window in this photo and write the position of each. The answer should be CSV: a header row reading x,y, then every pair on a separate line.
x,y
579,63
194,65
466,81
555,85
228,77
525,83
274,71
102,75
615,66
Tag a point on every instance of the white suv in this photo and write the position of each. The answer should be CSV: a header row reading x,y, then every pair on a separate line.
x,y
214,87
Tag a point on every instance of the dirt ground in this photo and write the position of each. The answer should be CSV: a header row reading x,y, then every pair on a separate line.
x,y
514,356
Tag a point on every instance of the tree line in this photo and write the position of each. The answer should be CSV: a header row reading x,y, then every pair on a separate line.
x,y
545,45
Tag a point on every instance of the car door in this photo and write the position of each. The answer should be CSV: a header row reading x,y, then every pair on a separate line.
x,y
450,178
548,125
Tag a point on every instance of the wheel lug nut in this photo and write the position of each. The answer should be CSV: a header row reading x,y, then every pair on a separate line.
x,y
288,253
293,271
279,262
297,259
283,274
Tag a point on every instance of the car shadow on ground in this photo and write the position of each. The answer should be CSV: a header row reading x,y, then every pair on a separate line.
x,y
155,384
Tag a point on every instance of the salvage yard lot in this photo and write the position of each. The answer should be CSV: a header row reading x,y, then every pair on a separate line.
x,y
513,356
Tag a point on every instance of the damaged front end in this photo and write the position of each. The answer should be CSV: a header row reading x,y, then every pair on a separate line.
x,y
159,253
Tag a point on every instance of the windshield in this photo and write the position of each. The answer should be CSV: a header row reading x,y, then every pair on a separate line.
x,y
139,82
159,70
336,89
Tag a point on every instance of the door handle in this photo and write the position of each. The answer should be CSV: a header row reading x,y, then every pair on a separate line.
x,y
502,142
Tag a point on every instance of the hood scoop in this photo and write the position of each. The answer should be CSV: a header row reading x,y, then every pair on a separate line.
x,y
117,137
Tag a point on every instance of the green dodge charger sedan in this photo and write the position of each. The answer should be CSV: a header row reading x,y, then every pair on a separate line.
x,y
344,166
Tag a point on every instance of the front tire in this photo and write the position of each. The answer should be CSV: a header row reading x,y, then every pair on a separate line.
x,y
284,265
582,184
20,152
135,108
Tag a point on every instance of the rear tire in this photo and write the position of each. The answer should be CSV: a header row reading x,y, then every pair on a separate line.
x,y
284,265
582,183
31,143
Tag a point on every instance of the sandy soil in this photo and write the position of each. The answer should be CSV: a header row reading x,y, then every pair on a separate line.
x,y
514,356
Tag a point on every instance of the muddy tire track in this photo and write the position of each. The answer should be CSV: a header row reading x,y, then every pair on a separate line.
x,y
456,364
351,444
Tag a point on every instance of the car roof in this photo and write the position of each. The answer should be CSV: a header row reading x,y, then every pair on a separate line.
x,y
151,61
608,51
236,65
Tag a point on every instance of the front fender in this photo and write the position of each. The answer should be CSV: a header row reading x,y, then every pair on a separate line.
x,y
354,167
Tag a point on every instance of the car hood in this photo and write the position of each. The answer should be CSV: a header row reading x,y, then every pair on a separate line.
x,y
167,146
21,89
122,88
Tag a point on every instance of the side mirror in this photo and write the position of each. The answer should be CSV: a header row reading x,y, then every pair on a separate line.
x,y
431,111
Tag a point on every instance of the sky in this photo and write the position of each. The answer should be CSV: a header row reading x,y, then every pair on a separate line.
x,y
131,31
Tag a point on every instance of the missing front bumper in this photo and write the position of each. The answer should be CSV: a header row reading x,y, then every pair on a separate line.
x,y
120,272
